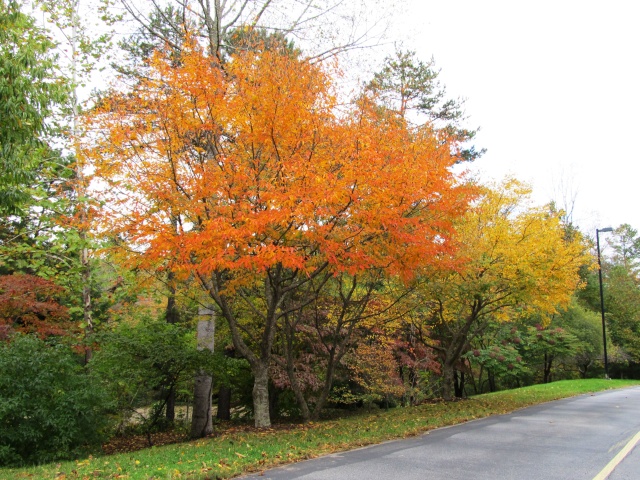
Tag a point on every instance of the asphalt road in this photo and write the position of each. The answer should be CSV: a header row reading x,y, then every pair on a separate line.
x,y
579,438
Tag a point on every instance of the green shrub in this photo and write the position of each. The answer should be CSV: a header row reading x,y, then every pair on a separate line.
x,y
143,363
50,408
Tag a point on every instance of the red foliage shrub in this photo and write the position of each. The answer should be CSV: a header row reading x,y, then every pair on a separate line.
x,y
29,304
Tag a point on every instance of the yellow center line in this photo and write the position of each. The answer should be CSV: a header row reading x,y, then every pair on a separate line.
x,y
606,471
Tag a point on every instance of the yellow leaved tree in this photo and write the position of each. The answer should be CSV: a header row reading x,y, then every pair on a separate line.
x,y
514,260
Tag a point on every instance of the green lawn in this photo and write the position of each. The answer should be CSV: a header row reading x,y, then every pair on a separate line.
x,y
234,452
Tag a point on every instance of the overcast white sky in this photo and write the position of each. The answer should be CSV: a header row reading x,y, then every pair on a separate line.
x,y
555,88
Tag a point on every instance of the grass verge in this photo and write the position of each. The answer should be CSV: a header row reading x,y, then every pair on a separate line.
x,y
235,452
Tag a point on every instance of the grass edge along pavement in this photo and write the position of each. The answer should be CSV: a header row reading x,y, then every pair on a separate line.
x,y
234,452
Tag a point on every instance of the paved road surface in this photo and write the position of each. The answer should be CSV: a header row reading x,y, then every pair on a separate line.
x,y
568,439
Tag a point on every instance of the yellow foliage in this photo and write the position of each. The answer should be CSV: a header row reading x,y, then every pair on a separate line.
x,y
516,259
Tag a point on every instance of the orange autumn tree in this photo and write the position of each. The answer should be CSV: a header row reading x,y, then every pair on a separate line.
x,y
249,176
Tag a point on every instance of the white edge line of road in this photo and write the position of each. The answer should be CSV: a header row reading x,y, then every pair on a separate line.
x,y
606,471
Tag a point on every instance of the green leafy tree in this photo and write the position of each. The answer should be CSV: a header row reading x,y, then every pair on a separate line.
x,y
626,246
164,28
30,92
51,407
622,292
586,326
36,191
84,38
145,364
545,346
411,88
621,295
514,354
38,98
622,303
497,354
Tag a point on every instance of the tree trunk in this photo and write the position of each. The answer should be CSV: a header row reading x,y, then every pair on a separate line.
x,y
458,384
172,316
334,359
492,381
224,394
81,191
297,391
474,381
202,422
224,403
277,287
584,368
322,399
447,381
261,396
453,345
413,385
548,362
171,404
86,301
291,373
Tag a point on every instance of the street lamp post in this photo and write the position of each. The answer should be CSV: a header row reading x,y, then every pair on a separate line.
x,y
604,328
